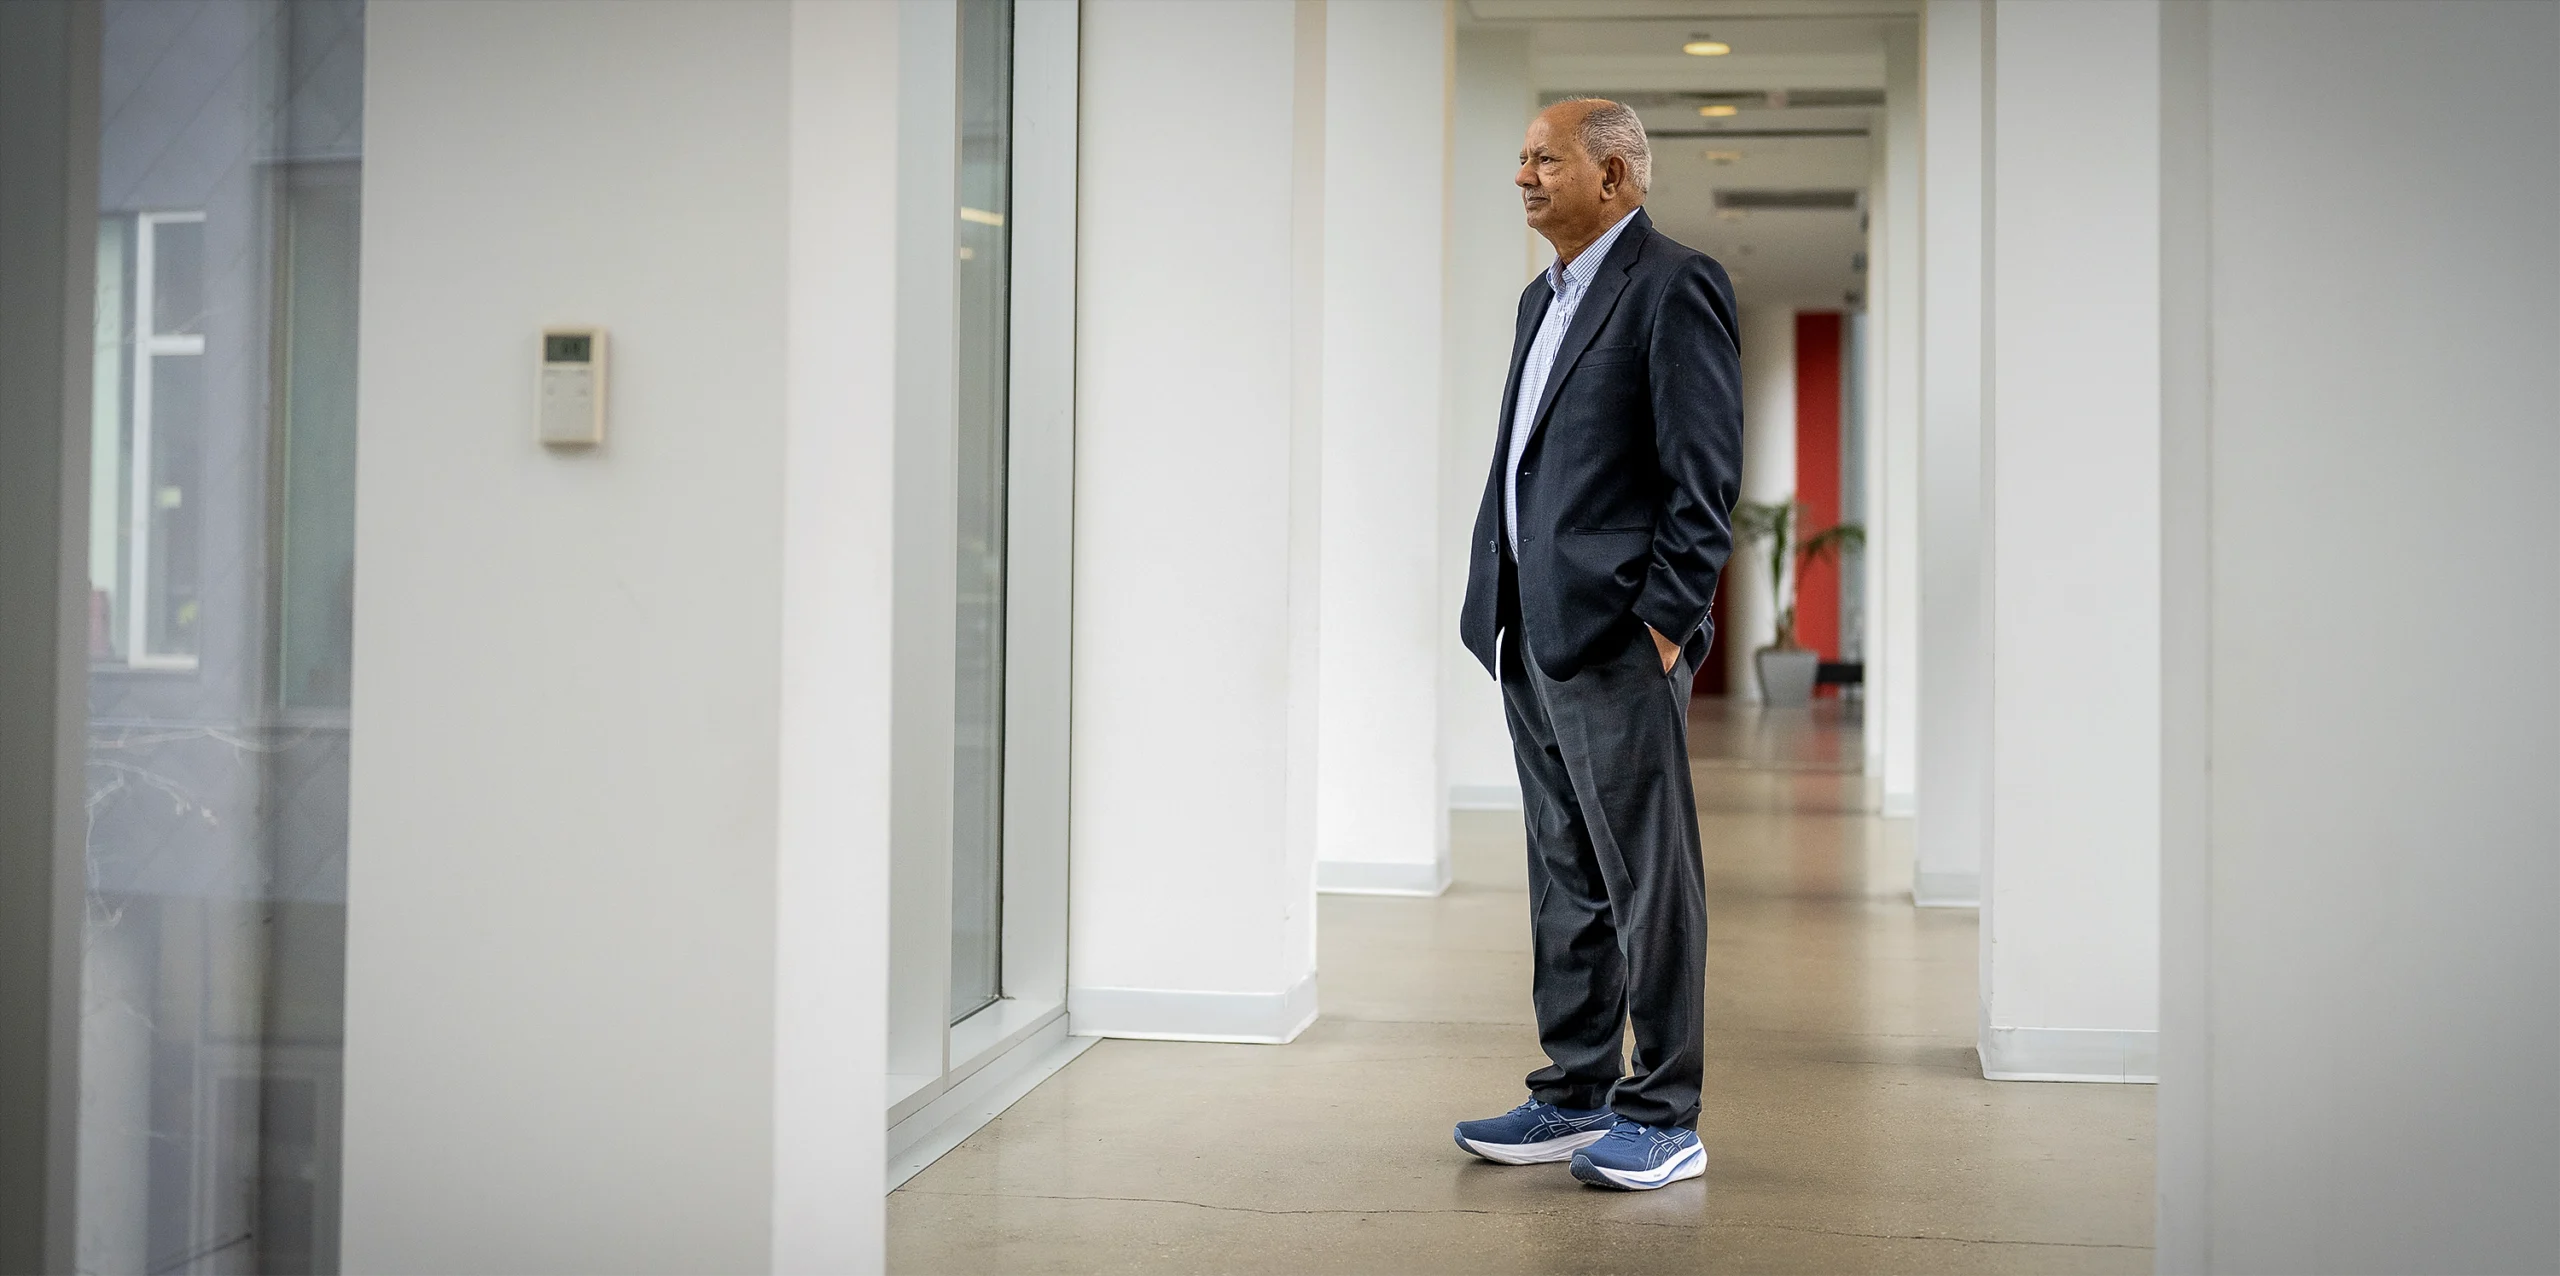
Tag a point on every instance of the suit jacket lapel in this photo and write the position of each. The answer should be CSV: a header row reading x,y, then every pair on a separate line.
x,y
1593,312
1532,313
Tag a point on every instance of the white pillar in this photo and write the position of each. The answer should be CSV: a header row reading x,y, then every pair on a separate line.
x,y
1954,753
1381,809
1490,261
1198,432
1768,474
2361,1002
2070,920
616,954
1893,649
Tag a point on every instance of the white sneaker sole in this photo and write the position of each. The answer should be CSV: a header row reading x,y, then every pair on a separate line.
x,y
1546,1153
1688,1165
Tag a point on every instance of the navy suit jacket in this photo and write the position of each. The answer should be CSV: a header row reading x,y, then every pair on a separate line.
x,y
1635,456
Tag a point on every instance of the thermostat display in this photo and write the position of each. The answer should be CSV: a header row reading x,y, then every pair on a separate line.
x,y
571,407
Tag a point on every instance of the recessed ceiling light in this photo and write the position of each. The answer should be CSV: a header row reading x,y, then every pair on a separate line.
x,y
1718,110
1702,47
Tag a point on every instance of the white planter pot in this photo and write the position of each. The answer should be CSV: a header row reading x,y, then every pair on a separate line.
x,y
1786,677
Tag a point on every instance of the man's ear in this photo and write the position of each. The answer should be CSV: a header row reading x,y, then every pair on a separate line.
x,y
1613,175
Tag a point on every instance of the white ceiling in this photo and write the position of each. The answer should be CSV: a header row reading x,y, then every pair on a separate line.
x,y
1805,259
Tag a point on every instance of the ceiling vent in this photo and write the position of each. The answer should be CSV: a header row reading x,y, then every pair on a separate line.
x,y
1750,200
1773,99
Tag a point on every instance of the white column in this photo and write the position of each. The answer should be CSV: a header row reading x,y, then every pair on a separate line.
x,y
1954,755
1490,261
1198,432
1381,810
1768,474
616,952
1893,649
2362,1005
833,827
2070,921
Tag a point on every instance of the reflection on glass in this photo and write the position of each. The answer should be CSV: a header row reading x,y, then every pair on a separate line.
x,y
177,275
108,478
985,279
220,569
175,399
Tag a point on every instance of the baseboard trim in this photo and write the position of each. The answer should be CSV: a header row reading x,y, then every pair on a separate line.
x,y
1946,890
960,1111
1370,877
1164,1014
1484,797
2123,1056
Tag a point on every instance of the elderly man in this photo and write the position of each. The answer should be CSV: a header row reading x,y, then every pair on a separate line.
x,y
1603,528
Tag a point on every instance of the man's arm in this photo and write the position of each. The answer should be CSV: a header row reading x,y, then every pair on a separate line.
x,y
1697,434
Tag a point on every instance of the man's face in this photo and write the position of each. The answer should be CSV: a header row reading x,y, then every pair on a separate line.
x,y
1560,188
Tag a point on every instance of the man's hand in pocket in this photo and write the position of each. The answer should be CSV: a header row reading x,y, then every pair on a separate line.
x,y
1667,649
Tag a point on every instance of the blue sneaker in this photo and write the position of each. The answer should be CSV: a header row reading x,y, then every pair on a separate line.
x,y
1640,1158
1535,1133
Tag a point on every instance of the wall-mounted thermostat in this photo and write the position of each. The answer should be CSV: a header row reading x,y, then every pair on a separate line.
x,y
572,394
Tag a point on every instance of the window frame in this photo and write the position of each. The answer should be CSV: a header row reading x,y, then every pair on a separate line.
x,y
149,346
946,1077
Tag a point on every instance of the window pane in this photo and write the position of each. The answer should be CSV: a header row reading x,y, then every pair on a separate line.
x,y
177,277
985,278
174,505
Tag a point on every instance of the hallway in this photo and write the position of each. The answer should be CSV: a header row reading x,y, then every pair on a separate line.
x,y
1848,1123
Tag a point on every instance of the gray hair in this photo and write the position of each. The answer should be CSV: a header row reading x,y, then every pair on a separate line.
x,y
1611,128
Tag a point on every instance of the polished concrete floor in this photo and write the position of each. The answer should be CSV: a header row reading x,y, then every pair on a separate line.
x,y
1847,1121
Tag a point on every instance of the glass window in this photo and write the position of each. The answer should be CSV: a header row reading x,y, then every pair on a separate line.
x,y
985,278
146,441
221,560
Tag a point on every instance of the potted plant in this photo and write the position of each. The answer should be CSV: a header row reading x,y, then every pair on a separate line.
x,y
1787,667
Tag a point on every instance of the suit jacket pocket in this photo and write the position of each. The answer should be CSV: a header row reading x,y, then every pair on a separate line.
x,y
1597,356
1604,568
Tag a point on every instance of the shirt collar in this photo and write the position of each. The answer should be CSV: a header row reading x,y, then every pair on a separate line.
x,y
1587,265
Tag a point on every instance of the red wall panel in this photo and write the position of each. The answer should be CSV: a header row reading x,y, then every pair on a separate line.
x,y
1818,342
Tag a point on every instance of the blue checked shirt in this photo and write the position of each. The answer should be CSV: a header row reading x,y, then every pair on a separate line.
x,y
1571,284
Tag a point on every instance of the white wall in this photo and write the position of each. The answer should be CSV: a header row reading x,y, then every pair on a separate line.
x,y
1954,750
1893,655
2366,1002
1491,258
839,509
1768,339
1381,805
587,897
2070,921
1199,365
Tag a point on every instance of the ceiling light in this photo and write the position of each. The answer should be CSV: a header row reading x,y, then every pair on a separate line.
x,y
1702,47
1718,110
